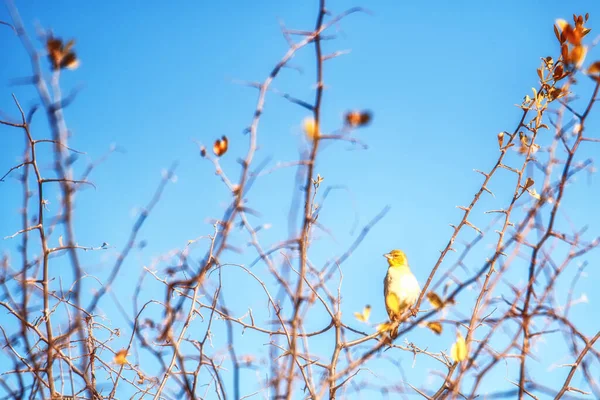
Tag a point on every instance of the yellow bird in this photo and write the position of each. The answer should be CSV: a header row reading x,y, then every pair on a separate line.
x,y
400,287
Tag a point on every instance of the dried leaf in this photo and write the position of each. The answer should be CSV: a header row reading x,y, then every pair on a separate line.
x,y
534,194
564,52
357,118
554,93
54,48
69,61
317,182
221,145
577,55
61,56
528,183
525,145
121,357
68,46
310,128
594,68
458,351
523,138
569,33
501,139
561,23
364,316
557,33
53,44
558,73
436,327
573,36
435,300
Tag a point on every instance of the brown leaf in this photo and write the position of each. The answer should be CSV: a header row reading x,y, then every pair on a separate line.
x,y
53,44
364,316
533,193
577,55
54,47
562,24
523,138
436,327
594,68
358,118
310,128
61,56
564,52
68,46
569,33
458,351
221,145
557,33
435,300
558,73
120,357
501,139
69,61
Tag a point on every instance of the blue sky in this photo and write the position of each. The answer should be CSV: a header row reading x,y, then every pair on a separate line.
x,y
441,78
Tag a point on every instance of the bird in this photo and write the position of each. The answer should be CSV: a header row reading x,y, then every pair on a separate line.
x,y
400,287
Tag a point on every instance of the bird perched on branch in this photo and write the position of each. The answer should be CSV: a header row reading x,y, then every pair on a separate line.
x,y
400,287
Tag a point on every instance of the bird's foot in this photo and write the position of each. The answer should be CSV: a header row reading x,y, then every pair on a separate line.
x,y
413,311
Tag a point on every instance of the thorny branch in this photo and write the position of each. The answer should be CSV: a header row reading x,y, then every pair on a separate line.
x,y
507,298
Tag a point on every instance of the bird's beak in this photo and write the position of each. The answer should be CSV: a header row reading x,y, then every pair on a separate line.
x,y
387,255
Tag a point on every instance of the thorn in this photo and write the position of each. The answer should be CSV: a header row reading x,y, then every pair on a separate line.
x,y
509,168
482,173
489,191
574,389
495,211
474,227
464,208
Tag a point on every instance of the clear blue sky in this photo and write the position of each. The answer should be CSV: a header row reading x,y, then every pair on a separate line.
x,y
441,77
